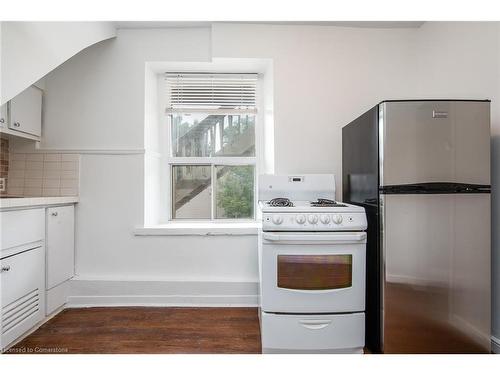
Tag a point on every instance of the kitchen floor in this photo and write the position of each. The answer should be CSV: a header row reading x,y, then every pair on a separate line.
x,y
146,330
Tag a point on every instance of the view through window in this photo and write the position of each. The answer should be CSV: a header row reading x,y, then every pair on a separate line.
x,y
212,127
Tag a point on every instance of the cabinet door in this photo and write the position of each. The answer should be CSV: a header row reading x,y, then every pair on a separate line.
x,y
22,295
26,112
60,244
3,116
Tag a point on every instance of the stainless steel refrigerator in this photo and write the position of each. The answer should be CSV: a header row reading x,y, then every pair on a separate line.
x,y
421,169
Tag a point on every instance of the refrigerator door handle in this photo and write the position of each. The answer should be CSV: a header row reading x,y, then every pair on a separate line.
x,y
439,114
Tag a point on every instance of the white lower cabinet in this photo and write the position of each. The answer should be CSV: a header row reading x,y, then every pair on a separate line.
x,y
60,247
36,260
22,283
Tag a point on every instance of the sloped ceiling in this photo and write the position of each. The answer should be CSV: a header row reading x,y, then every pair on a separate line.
x,y
30,50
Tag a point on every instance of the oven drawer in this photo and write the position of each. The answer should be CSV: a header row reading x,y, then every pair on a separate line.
x,y
317,333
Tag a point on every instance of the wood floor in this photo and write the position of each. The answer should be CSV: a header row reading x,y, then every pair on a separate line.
x,y
172,330
147,330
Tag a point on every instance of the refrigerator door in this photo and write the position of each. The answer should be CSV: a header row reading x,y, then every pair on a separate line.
x,y
434,141
436,287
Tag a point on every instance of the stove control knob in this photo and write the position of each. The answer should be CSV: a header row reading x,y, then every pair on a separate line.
x,y
300,219
313,219
277,219
325,219
337,219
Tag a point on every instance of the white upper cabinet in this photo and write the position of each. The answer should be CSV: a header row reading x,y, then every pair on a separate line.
x,y
26,112
3,116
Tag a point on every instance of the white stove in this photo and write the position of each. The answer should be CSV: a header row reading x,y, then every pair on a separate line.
x,y
312,267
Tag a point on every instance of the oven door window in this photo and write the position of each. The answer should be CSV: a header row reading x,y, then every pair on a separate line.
x,y
314,272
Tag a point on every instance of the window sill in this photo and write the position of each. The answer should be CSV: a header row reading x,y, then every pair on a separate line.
x,y
249,228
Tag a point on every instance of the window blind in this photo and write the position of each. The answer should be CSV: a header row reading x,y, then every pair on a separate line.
x,y
211,92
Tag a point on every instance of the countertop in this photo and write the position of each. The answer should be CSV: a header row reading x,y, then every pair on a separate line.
x,y
6,202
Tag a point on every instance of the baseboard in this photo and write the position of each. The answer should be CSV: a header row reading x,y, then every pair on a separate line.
x,y
495,345
95,293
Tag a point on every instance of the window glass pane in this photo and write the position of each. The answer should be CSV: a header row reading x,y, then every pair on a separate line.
x,y
201,135
191,187
235,192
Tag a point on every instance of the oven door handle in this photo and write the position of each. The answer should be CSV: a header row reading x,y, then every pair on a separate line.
x,y
316,237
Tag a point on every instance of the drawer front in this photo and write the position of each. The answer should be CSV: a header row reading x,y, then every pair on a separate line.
x,y
20,227
312,332
22,292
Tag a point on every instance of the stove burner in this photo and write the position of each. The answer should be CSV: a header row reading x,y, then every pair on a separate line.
x,y
321,202
280,202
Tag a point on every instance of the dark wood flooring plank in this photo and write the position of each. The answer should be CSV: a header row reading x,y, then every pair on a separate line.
x,y
148,330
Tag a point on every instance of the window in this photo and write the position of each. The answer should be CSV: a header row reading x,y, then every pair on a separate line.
x,y
212,145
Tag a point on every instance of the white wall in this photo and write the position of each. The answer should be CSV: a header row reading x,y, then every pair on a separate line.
x,y
32,49
1,96
495,165
111,205
95,105
96,99
460,60
323,77
95,102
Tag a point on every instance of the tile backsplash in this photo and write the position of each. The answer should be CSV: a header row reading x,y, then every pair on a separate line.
x,y
4,160
43,174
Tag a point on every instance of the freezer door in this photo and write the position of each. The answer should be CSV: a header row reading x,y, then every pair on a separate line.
x,y
436,288
434,141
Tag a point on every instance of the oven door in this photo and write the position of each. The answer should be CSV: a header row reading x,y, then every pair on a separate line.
x,y
313,272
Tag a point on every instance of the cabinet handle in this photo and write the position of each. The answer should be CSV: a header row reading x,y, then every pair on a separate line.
x,y
5,269
2,120
17,124
54,213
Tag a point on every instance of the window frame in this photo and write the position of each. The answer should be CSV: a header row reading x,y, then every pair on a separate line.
x,y
213,161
